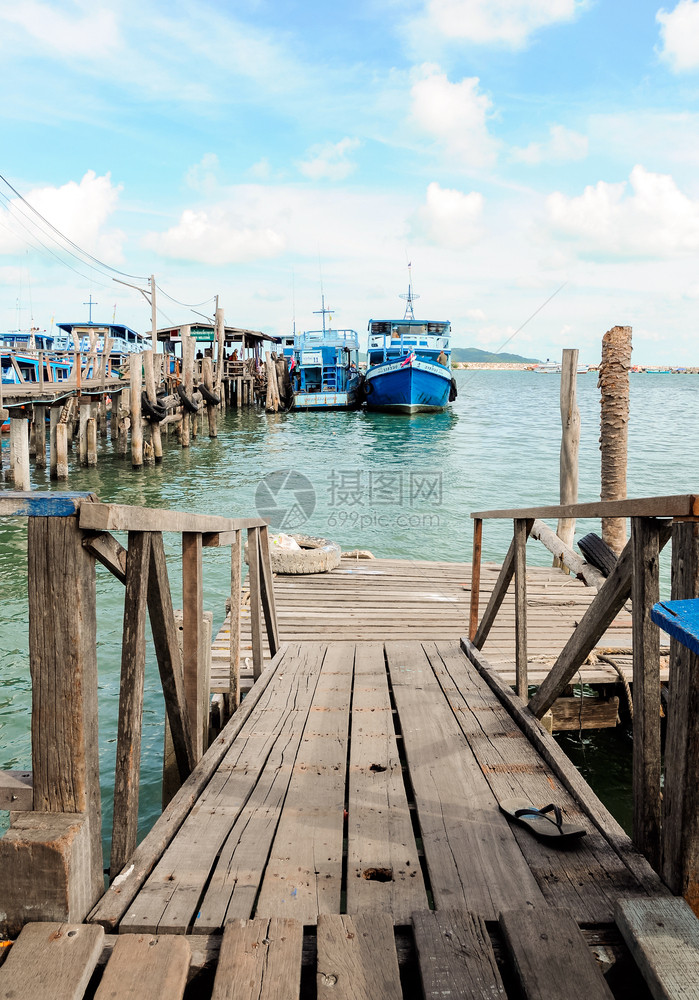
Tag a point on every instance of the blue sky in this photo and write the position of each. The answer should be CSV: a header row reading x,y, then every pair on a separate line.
x,y
505,147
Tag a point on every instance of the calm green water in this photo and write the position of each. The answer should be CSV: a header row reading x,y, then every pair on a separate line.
x,y
400,486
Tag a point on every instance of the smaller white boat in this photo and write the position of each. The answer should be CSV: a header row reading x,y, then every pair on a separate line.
x,y
554,368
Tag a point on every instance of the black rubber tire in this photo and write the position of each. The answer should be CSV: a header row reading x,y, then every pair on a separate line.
x,y
152,411
453,392
188,403
368,387
598,553
209,396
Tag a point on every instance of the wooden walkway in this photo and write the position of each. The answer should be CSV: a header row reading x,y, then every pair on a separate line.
x,y
342,838
397,599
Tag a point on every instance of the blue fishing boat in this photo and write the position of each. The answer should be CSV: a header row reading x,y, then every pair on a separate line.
x,y
325,369
123,339
409,363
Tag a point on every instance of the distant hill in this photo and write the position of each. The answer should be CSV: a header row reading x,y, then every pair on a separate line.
x,y
473,355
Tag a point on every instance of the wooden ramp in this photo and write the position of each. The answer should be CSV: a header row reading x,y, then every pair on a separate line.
x,y
400,599
342,837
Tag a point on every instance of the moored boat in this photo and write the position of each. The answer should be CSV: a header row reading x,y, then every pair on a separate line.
x,y
325,369
409,367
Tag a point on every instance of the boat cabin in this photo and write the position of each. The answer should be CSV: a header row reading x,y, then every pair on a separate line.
x,y
325,360
124,339
389,339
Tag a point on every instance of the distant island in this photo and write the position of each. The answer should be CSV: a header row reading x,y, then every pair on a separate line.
x,y
473,355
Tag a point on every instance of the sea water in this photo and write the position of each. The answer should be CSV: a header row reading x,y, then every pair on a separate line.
x,y
401,486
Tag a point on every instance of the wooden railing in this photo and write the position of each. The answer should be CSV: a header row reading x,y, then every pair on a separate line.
x,y
67,535
665,827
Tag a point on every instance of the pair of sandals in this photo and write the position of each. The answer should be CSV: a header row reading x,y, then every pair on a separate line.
x,y
539,822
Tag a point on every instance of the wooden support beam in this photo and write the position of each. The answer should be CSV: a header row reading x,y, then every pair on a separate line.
x,y
155,436
645,592
91,442
475,576
680,848
19,450
594,623
192,614
40,435
135,365
521,533
566,556
570,444
255,600
233,698
107,550
267,592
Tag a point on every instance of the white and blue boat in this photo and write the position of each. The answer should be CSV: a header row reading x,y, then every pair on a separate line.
x,y
124,339
325,369
409,367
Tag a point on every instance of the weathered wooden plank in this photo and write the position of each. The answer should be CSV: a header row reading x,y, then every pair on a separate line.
x,y
122,517
192,615
566,556
16,791
645,592
383,866
133,670
144,966
663,937
234,625
455,956
521,532
473,859
596,620
551,957
475,576
260,960
304,873
51,960
357,958
685,505
167,651
117,899
569,775
107,550
255,599
267,591
14,503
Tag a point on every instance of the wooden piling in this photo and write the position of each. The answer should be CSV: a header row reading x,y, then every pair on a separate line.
x,y
61,451
192,612
614,384
570,444
91,441
135,362
19,448
85,411
156,440
40,436
187,381
210,408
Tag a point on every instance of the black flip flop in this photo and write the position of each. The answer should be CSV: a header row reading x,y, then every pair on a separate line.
x,y
539,823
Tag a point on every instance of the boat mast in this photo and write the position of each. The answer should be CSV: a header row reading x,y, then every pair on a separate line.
x,y
323,311
409,296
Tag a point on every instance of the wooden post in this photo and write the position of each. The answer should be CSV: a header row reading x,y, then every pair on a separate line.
x,y
645,592
124,409
255,601
155,437
234,648
521,533
680,849
570,444
136,418
475,576
133,668
208,381
192,612
614,383
269,608
61,451
19,447
187,349
91,441
220,344
52,861
40,435
85,410
238,393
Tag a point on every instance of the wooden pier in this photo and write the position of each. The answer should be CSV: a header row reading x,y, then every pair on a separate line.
x,y
342,836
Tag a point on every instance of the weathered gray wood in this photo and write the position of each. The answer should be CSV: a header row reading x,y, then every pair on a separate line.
x,y
645,592
40,435
234,624
565,556
569,775
91,441
663,937
133,669
120,517
149,378
521,532
606,606
108,551
16,790
267,591
143,966
192,613
475,576
63,666
680,849
255,600
135,367
51,960
455,956
206,368
551,957
570,443
357,958
683,505
260,960
472,857
167,651
83,417
117,899
19,450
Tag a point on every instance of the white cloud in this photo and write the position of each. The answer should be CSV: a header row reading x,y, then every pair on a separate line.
x,y
329,160
79,211
652,220
449,218
203,176
88,32
505,22
679,31
217,236
455,114
562,146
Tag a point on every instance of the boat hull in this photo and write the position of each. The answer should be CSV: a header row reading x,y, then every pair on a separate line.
x,y
417,387
348,400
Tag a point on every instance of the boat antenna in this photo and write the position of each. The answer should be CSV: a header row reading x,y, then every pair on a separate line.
x,y
323,311
409,296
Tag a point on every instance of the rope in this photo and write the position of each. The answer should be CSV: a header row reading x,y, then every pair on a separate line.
x,y
613,663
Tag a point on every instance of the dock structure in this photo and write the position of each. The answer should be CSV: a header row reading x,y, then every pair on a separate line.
x,y
342,836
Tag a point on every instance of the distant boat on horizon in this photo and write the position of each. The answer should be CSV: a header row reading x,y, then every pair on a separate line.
x,y
554,368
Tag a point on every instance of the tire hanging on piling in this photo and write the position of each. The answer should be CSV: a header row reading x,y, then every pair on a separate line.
x,y
152,411
453,392
188,403
209,396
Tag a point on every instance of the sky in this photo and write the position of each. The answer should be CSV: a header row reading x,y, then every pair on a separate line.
x,y
535,161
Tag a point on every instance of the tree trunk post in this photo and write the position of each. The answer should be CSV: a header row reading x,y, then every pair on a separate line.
x,y
570,444
614,384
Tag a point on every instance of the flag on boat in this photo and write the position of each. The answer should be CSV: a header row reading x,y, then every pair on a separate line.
x,y
291,366
409,360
